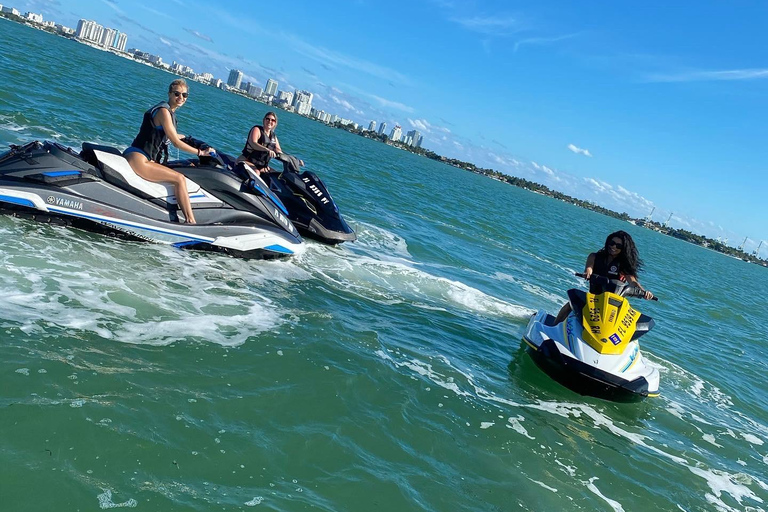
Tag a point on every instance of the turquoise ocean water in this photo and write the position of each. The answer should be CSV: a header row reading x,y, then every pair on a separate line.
x,y
386,374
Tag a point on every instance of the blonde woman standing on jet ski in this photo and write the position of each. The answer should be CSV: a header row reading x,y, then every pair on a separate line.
x,y
618,259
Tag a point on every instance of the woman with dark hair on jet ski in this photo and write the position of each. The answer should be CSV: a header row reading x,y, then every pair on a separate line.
x,y
262,145
617,259
158,128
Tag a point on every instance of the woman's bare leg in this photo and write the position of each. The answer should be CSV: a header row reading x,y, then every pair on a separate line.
x,y
564,312
157,173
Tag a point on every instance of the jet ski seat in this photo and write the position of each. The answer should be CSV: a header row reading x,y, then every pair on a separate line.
x,y
118,171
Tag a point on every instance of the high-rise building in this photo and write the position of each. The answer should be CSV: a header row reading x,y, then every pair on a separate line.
x,y
372,126
85,29
235,77
108,37
418,142
414,137
396,133
271,88
31,16
120,41
302,102
285,96
302,96
254,91
382,128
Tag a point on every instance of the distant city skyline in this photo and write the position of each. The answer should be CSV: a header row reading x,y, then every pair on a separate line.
x,y
632,109
299,101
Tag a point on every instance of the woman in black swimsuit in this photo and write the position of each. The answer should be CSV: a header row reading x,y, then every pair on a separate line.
x,y
617,259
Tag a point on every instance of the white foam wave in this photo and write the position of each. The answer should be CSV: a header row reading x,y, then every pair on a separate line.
x,y
615,505
372,239
531,288
105,501
390,279
542,484
733,484
151,295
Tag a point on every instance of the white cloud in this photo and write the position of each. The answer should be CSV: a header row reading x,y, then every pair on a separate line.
x,y
392,104
155,12
542,40
426,127
490,25
711,76
579,150
346,105
599,186
114,6
419,124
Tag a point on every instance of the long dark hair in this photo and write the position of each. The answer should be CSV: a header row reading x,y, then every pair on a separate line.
x,y
628,259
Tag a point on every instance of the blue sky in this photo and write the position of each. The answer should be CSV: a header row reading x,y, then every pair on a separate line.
x,y
631,105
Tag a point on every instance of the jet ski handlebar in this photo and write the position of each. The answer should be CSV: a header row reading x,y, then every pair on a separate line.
x,y
621,288
214,158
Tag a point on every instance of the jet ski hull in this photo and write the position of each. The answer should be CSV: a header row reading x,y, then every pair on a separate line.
x,y
623,377
311,207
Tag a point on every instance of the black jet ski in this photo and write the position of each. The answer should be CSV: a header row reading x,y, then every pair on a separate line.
x,y
304,195
310,205
97,190
595,350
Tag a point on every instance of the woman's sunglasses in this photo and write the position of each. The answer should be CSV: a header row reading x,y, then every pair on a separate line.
x,y
179,93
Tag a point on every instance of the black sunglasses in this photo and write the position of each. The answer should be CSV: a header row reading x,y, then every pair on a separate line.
x,y
270,119
614,244
182,94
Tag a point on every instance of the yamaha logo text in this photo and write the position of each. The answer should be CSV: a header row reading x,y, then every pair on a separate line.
x,y
65,203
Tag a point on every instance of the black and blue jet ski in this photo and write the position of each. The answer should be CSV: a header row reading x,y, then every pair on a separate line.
x,y
307,201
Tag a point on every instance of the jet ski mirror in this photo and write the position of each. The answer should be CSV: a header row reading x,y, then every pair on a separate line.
x,y
290,163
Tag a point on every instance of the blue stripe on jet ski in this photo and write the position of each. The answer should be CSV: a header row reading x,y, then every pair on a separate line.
x,y
61,173
631,359
129,224
278,202
271,195
279,248
185,243
17,200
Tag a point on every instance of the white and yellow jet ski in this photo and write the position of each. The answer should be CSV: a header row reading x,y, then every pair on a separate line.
x,y
595,350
